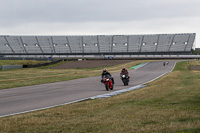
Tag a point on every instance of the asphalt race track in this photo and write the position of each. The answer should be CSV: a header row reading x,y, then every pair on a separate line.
x,y
29,98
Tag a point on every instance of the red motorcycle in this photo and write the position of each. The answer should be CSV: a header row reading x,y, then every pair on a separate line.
x,y
107,80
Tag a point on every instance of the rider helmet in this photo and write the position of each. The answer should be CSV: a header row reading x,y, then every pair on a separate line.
x,y
105,70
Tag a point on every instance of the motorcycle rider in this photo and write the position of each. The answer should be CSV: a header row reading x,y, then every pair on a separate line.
x,y
124,70
163,63
105,72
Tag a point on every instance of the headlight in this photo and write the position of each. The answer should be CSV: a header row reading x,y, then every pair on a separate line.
x,y
107,79
123,76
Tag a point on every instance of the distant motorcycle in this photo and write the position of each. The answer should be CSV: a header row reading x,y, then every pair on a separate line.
x,y
125,78
107,80
163,63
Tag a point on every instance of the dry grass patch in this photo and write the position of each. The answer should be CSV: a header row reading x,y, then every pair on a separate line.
x,y
21,62
169,104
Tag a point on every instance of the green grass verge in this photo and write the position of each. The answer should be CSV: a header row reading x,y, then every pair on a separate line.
x,y
169,104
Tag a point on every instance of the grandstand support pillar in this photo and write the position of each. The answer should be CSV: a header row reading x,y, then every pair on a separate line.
x,y
187,42
157,42
9,44
141,44
53,45
111,47
82,44
68,45
22,44
171,43
98,45
127,43
22,47
50,46
39,45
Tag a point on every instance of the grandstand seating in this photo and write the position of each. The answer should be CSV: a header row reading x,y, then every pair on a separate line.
x,y
119,43
135,43
99,44
164,42
4,46
90,44
30,44
149,43
105,43
60,44
75,43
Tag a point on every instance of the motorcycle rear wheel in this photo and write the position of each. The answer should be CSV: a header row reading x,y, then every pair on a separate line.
x,y
111,87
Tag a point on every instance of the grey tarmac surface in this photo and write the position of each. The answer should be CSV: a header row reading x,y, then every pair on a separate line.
x,y
21,99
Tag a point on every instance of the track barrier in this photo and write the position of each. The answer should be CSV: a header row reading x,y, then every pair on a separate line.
x,y
6,67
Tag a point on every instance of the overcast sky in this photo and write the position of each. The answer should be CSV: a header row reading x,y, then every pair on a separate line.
x,y
99,17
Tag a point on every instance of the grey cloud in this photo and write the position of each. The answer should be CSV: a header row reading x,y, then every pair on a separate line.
x,y
26,11
99,16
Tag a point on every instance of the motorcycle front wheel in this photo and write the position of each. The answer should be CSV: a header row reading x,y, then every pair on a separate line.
x,y
124,81
107,87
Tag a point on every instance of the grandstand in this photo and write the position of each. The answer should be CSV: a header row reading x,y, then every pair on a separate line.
x,y
154,44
